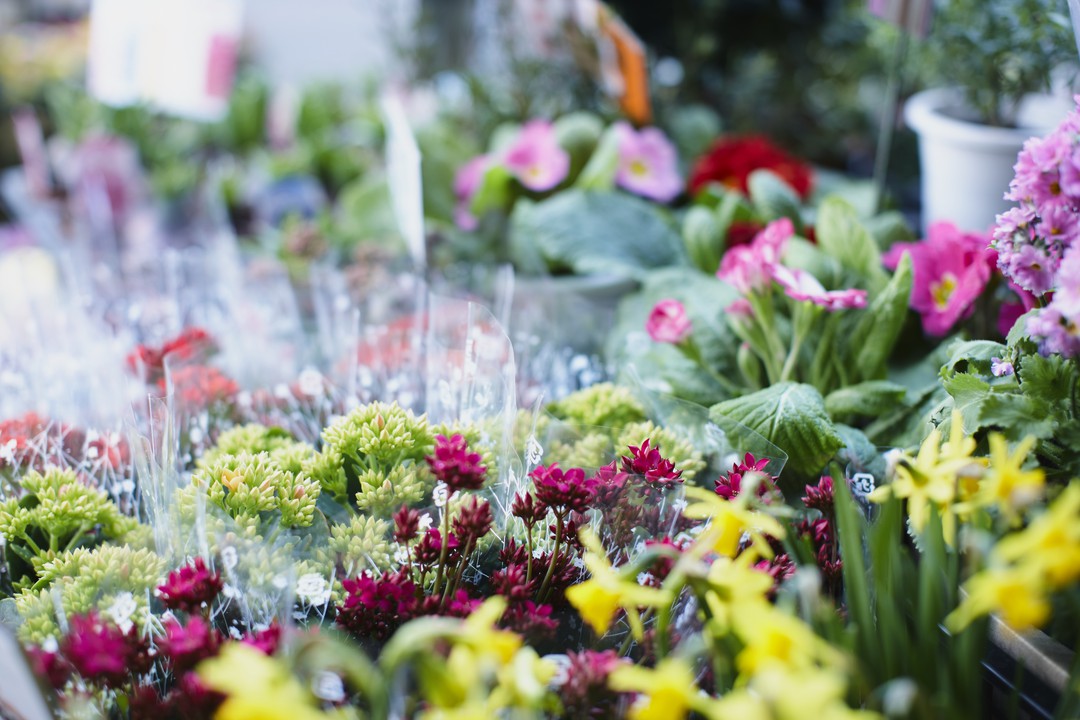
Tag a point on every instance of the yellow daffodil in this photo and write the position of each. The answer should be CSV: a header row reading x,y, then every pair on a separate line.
x,y
667,692
729,521
773,639
732,585
1051,542
1017,595
480,633
1006,484
599,598
808,693
256,687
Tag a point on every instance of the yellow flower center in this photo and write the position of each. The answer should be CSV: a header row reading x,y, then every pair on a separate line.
x,y
943,290
639,168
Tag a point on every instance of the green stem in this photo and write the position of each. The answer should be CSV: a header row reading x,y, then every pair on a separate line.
x,y
554,557
445,546
529,560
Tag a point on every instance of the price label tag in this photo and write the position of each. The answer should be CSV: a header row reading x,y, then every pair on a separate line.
x,y
403,168
863,484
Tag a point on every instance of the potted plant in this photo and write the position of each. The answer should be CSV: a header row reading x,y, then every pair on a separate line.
x,y
987,60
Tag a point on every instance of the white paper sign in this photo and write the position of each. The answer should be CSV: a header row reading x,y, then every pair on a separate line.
x,y
403,170
177,56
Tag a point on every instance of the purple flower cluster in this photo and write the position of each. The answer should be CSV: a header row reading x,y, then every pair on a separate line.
x,y
1037,240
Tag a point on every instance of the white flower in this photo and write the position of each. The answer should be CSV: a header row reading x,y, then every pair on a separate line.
x,y
122,609
313,589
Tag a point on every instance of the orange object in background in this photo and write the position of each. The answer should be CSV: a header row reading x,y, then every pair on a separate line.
x,y
630,56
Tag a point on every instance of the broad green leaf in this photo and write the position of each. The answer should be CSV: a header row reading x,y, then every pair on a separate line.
x,y
595,232
791,416
599,171
973,355
578,133
703,238
1015,415
840,234
874,337
773,198
969,392
1049,382
494,191
873,397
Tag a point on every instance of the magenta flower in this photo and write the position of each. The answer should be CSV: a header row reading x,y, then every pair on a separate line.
x,y
646,462
377,606
1001,368
453,464
730,486
749,267
668,322
473,520
265,641
951,269
406,524
1067,291
535,157
804,287
98,650
564,492
188,645
527,509
189,587
467,181
585,692
648,163
820,496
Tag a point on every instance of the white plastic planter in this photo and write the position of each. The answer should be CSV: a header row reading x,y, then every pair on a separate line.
x,y
967,166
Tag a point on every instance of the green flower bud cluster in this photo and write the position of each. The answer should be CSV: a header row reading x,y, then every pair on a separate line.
x,y
250,486
115,580
373,458
57,513
254,438
673,447
600,405
591,451
361,544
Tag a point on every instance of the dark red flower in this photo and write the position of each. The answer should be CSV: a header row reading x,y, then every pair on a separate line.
x,y
50,665
99,651
563,492
459,605
188,587
473,520
377,606
188,645
731,160
191,700
455,465
585,693
527,509
729,486
426,553
531,621
610,486
779,568
820,496
510,582
406,524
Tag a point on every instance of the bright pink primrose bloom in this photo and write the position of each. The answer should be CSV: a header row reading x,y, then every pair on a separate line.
x,y
804,287
535,157
668,322
951,268
749,267
648,163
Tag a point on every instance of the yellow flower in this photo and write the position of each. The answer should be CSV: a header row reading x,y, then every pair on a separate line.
x,y
599,598
773,639
809,693
256,687
667,692
733,584
1051,542
729,521
1006,484
1016,594
480,633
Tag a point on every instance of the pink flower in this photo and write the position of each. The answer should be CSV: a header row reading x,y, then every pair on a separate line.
x,y
1056,332
730,485
190,586
535,157
804,287
1067,288
668,322
467,181
98,650
951,269
748,267
1032,269
189,645
1000,367
563,492
648,163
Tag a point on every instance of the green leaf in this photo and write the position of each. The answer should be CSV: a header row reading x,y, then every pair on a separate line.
x,y
859,455
973,355
595,232
599,171
1049,381
889,228
874,337
703,237
1016,416
840,234
969,392
773,198
791,416
873,397
494,191
578,133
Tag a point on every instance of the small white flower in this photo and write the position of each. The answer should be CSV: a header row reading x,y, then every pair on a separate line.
x,y
122,609
279,582
328,686
50,645
313,589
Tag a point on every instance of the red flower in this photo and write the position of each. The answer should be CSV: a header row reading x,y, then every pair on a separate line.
x,y
189,645
473,521
49,665
731,160
189,587
527,509
406,524
199,386
149,361
820,496
455,465
647,462
563,492
377,606
98,650
729,486
265,641
585,693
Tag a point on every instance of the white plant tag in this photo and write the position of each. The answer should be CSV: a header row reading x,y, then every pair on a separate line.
x,y
403,170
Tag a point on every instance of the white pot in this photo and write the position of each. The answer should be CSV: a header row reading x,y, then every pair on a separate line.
x,y
967,166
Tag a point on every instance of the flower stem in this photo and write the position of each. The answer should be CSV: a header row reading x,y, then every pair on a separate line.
x,y
554,558
529,561
444,548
